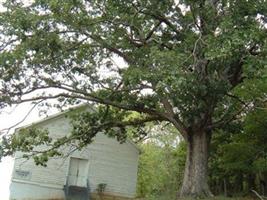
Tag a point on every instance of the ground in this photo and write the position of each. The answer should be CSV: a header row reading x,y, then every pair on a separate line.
x,y
214,198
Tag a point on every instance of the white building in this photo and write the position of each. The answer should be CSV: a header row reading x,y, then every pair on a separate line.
x,y
105,164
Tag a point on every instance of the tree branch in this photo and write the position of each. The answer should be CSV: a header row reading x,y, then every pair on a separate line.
x,y
79,94
236,98
223,121
165,20
5,131
113,49
257,194
149,35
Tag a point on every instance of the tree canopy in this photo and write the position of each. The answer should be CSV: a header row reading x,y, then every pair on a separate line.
x,y
195,64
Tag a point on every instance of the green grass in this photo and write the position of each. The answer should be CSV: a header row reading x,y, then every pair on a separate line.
x,y
213,198
222,198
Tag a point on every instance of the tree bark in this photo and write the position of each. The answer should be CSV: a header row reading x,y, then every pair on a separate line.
x,y
264,183
225,181
251,181
195,182
238,186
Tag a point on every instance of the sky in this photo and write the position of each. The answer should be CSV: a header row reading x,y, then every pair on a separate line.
x,y
6,120
12,116
5,173
9,118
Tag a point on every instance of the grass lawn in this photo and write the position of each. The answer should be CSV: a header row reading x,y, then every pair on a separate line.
x,y
214,198
225,198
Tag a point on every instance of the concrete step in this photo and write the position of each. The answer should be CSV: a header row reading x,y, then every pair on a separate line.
x,y
77,193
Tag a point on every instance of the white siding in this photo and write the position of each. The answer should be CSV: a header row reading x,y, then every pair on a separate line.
x,y
114,164
110,162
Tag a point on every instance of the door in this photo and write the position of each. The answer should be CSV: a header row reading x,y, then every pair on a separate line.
x,y
78,172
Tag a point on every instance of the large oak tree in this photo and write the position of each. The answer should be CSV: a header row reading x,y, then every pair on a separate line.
x,y
187,62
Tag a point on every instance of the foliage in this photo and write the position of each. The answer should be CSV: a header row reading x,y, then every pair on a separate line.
x,y
195,64
237,152
101,188
240,155
249,147
26,140
161,167
176,68
221,198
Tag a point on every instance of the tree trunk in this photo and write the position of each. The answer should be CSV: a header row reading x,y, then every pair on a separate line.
x,y
225,181
251,182
238,186
263,183
195,182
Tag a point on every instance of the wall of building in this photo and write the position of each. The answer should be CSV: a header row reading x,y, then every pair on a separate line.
x,y
26,190
110,163
113,164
